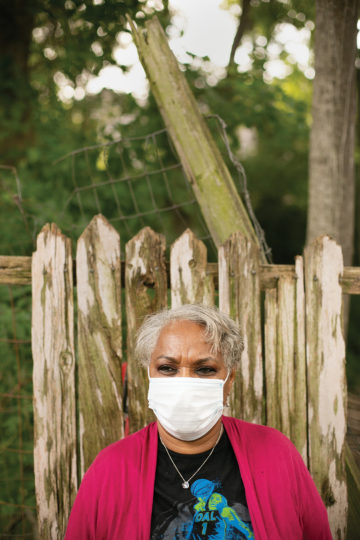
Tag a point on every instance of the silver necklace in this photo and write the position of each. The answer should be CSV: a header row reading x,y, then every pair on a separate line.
x,y
185,483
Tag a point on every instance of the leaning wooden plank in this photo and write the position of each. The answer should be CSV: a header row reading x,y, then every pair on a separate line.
x,y
190,282
98,270
327,394
146,292
213,186
53,382
239,297
15,270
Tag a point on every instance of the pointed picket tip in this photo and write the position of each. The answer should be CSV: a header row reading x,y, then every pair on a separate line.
x,y
188,233
323,240
99,223
145,232
190,281
49,230
239,236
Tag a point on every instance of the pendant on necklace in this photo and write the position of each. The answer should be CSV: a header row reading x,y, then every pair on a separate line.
x,y
185,485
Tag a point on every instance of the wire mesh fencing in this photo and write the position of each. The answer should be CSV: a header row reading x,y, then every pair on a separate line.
x,y
17,499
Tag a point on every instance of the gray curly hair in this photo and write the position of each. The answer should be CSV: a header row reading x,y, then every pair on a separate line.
x,y
220,330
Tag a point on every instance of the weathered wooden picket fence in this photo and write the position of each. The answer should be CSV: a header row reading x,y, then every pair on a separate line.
x,y
292,374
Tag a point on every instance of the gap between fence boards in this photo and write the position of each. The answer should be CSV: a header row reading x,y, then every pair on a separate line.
x,y
17,271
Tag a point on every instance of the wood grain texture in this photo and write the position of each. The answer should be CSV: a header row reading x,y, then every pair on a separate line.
x,y
327,392
98,269
190,282
285,366
146,292
15,270
207,172
239,297
53,382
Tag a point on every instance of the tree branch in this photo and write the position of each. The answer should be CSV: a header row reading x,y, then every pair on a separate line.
x,y
243,24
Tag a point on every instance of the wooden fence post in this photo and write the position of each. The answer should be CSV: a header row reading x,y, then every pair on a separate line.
x,y
285,364
146,292
54,382
190,283
239,297
327,402
98,269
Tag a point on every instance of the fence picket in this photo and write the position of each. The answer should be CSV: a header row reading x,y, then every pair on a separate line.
x,y
53,381
299,427
239,297
271,351
190,283
286,384
98,268
146,292
326,378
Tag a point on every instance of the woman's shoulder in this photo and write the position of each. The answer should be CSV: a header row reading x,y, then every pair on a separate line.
x,y
128,449
256,435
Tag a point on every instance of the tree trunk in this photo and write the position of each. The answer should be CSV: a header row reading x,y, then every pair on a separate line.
x,y
16,25
331,168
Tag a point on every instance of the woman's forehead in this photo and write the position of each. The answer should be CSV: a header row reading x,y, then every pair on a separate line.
x,y
182,331
184,338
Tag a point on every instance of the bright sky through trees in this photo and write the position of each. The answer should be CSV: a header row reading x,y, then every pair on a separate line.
x,y
204,29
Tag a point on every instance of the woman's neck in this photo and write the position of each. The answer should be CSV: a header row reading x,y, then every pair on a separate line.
x,y
191,447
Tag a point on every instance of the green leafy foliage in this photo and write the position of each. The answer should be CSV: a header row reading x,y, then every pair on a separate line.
x,y
16,447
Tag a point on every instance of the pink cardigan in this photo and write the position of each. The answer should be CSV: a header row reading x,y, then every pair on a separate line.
x,y
116,495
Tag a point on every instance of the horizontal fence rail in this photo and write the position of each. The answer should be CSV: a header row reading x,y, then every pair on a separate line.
x,y
17,271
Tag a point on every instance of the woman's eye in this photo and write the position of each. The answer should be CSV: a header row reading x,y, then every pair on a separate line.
x,y
206,371
167,370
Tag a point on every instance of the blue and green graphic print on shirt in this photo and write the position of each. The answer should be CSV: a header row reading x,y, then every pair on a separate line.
x,y
213,518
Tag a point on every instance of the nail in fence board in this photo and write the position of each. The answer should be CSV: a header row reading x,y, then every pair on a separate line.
x,y
98,270
190,283
239,297
53,381
326,377
146,292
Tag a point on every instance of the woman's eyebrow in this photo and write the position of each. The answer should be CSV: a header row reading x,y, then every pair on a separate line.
x,y
205,360
200,361
169,358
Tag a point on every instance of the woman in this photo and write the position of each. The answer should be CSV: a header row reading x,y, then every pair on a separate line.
x,y
195,474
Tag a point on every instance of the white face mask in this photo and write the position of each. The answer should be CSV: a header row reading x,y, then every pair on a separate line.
x,y
187,407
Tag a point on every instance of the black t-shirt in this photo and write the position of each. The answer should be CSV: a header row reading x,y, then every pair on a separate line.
x,y
214,507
